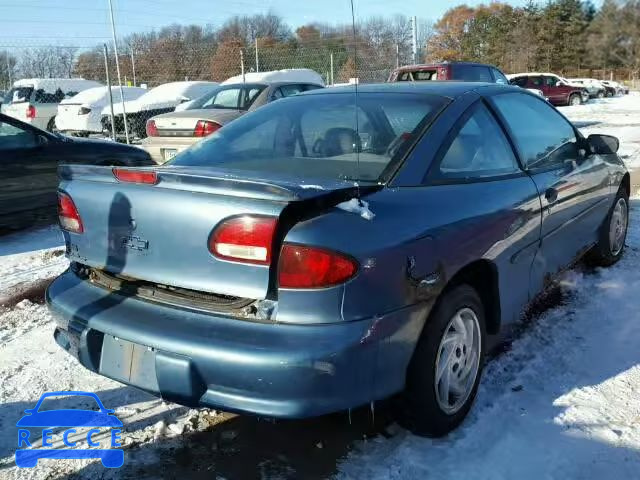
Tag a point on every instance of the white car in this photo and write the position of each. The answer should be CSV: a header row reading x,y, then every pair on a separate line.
x,y
35,100
81,114
162,99
595,87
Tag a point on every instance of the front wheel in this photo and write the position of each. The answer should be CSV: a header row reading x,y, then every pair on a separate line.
x,y
613,233
600,94
443,377
575,100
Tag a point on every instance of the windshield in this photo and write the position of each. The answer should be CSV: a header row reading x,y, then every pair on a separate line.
x,y
314,136
19,94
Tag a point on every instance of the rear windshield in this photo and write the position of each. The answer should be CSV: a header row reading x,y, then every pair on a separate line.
x,y
229,97
19,94
418,75
317,136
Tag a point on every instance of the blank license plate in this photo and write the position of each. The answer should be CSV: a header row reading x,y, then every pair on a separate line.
x,y
129,362
169,153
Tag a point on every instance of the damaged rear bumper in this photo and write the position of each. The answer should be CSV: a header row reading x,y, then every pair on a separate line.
x,y
201,359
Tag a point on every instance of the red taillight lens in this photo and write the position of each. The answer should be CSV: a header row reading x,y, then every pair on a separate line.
x,y
247,239
205,128
152,129
31,112
311,267
68,215
135,176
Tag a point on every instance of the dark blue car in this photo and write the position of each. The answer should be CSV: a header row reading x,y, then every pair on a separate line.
x,y
335,248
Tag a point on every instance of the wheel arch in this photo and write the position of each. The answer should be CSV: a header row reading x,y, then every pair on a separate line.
x,y
626,183
482,275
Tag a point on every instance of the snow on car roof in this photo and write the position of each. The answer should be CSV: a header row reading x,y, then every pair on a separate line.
x,y
513,75
175,90
304,75
50,85
99,95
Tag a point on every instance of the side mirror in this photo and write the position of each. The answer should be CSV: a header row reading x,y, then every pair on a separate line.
x,y
41,140
603,144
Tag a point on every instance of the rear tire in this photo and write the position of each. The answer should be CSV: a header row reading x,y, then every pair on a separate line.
x,y
444,373
575,99
600,94
51,125
613,233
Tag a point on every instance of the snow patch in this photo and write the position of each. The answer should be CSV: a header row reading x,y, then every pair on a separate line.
x,y
355,205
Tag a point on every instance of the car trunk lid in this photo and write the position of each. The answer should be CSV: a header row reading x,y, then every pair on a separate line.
x,y
160,233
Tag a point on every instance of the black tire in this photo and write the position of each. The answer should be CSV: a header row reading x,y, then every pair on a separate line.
x,y
421,410
600,94
604,254
51,125
575,99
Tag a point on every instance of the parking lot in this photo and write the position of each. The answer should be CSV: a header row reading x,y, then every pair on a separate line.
x,y
559,398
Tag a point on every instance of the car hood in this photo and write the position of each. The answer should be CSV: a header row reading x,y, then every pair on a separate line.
x,y
69,418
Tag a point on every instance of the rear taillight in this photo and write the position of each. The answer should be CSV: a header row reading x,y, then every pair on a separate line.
x,y
68,215
31,112
246,239
152,129
205,128
135,176
311,267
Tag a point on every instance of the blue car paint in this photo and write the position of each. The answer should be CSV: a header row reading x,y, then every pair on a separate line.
x,y
333,348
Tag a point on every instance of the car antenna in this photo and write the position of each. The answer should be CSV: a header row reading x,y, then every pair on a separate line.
x,y
356,145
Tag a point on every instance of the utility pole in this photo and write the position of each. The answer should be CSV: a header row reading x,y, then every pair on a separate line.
x,y
115,51
331,78
106,69
257,60
133,67
414,38
242,65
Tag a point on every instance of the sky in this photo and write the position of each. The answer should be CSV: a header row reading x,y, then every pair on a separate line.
x,y
81,23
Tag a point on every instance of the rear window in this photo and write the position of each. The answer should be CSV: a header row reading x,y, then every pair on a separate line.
x,y
230,97
318,136
418,75
19,94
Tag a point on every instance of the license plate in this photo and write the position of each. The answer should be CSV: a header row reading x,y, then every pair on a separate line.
x,y
129,362
169,153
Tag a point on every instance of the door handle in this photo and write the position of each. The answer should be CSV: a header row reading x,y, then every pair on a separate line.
x,y
551,195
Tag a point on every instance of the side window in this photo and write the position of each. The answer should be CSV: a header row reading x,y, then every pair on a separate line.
x,y
472,73
277,94
544,138
311,86
288,90
249,95
480,149
536,81
499,77
12,138
551,81
519,81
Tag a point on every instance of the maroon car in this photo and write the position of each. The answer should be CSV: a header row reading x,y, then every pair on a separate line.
x,y
463,71
556,89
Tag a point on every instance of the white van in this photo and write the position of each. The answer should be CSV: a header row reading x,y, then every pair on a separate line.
x,y
35,100
80,115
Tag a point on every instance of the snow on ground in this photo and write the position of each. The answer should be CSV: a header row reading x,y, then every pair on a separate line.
x,y
563,402
619,116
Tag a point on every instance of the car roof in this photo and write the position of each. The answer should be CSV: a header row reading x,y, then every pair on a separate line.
x,y
441,64
511,75
450,89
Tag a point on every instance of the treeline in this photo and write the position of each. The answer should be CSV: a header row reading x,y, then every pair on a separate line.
x,y
202,53
561,36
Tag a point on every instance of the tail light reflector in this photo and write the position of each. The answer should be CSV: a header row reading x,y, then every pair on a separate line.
x,y
205,128
68,215
31,112
135,176
246,239
312,267
152,128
